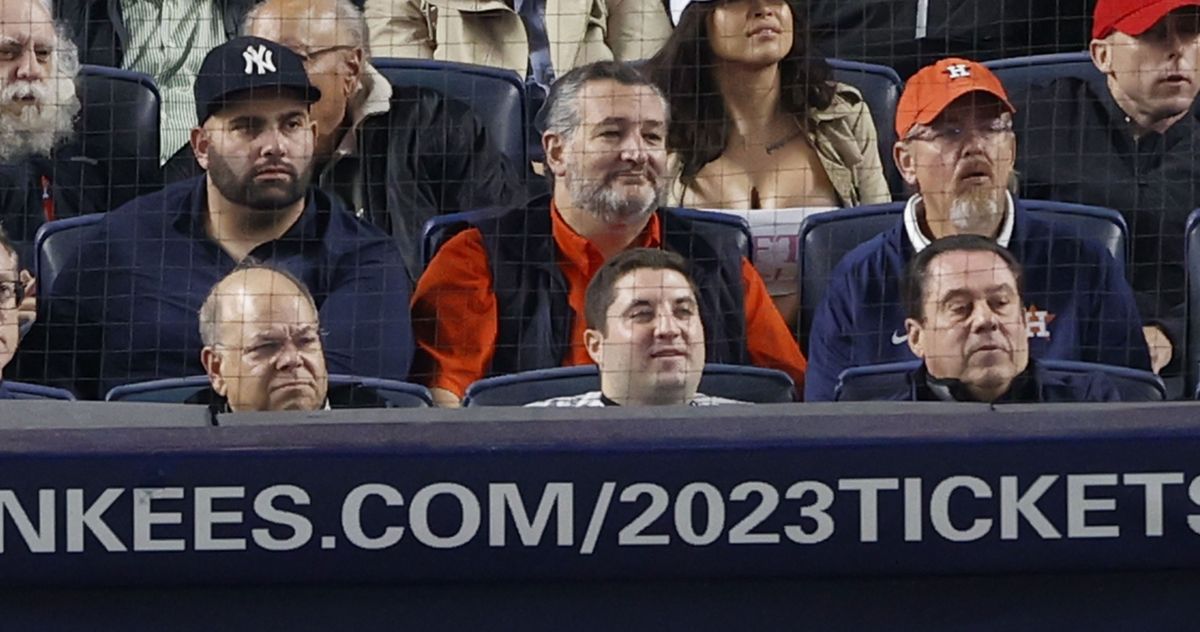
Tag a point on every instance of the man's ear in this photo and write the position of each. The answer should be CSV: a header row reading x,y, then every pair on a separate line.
x,y
200,142
1101,52
916,337
555,147
905,162
593,341
212,362
354,69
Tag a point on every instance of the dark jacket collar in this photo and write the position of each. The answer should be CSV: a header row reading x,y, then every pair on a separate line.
x,y
191,214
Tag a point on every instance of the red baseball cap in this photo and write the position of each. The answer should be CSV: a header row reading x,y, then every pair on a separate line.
x,y
936,86
1132,17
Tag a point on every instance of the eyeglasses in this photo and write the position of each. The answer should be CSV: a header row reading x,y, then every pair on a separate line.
x,y
953,134
11,294
308,56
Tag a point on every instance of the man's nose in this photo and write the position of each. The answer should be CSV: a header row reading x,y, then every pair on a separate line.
x,y
984,319
273,143
633,149
289,357
28,67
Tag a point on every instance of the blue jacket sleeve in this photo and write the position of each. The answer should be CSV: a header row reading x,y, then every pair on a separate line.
x,y
365,316
829,344
1120,337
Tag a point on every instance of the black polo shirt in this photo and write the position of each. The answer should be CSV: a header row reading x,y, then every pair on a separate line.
x,y
1075,144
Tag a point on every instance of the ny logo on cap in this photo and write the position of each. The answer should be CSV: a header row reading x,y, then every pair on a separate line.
x,y
259,61
958,71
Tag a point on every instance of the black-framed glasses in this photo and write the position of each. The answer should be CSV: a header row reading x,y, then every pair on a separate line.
x,y
11,294
308,56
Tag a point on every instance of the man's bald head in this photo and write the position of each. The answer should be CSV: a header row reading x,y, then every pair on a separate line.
x,y
262,342
331,36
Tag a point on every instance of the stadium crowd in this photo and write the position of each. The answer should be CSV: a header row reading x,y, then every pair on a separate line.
x,y
305,202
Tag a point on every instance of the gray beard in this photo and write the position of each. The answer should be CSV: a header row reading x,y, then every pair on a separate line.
x,y
36,130
602,200
977,214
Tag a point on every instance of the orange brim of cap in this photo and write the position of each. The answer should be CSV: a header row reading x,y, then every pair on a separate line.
x,y
1144,18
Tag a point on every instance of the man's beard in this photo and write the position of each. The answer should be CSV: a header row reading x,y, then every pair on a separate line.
x,y
977,212
35,129
602,199
260,196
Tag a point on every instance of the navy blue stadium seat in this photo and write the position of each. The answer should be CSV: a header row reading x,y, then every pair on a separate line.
x,y
827,237
867,383
191,389
1018,74
25,390
55,244
440,229
744,383
881,88
1191,372
497,96
119,129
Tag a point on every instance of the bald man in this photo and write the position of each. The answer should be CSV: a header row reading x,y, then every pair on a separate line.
x,y
395,155
262,342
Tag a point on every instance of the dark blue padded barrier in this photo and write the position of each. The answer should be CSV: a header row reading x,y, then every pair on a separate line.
x,y
766,492
881,88
440,229
866,383
744,383
827,237
497,96
184,389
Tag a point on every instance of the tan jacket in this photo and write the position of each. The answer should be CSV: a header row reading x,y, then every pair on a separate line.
x,y
843,135
489,32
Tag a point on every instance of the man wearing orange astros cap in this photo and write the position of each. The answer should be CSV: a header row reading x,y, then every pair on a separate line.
x,y
956,151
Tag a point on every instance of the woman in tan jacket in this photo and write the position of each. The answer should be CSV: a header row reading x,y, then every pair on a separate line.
x,y
758,128
492,33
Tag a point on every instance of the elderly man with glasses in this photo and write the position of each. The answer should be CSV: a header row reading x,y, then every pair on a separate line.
x,y
956,152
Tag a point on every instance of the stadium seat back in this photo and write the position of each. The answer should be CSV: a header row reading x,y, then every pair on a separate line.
x,y
874,382
1192,365
24,390
1018,74
744,383
881,88
497,96
119,129
440,229
55,244
343,388
827,237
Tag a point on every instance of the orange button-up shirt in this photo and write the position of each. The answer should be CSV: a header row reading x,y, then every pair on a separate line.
x,y
456,319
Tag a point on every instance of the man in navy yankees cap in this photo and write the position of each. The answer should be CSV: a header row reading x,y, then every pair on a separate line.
x,y
131,296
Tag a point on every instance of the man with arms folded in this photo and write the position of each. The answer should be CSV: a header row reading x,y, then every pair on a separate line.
x,y
967,322
645,334
957,150
395,155
1130,142
508,294
124,307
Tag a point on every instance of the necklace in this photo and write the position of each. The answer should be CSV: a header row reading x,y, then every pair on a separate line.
x,y
777,145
